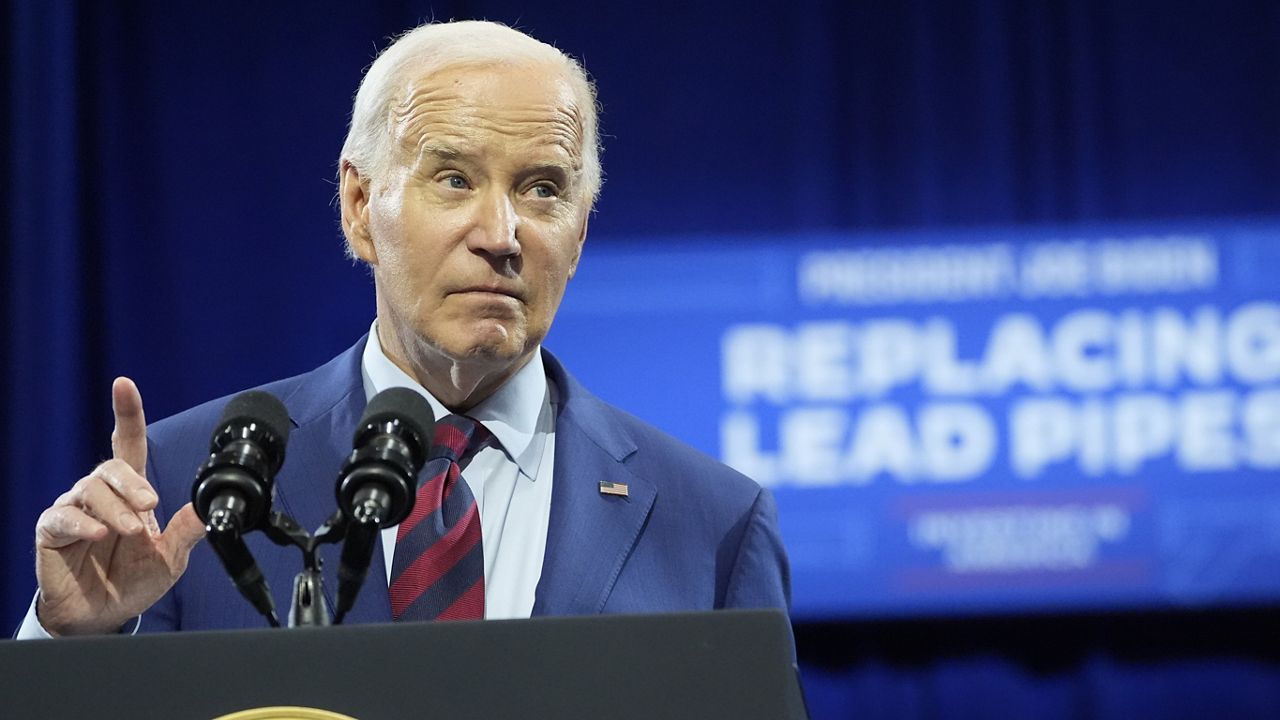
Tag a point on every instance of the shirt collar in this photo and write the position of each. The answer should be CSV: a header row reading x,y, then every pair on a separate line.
x,y
511,413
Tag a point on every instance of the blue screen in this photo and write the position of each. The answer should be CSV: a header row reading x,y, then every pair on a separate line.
x,y
978,421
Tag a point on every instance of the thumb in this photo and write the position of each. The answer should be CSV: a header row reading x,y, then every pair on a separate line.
x,y
182,534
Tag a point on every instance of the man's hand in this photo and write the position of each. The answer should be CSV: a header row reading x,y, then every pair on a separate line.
x,y
100,556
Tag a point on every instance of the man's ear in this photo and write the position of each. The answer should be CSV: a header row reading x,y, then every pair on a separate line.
x,y
353,195
577,250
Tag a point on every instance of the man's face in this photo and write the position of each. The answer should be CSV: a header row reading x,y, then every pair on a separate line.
x,y
480,221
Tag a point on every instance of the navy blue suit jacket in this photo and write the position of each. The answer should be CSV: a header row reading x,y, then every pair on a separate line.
x,y
692,534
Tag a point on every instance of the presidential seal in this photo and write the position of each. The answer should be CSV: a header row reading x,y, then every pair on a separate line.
x,y
285,713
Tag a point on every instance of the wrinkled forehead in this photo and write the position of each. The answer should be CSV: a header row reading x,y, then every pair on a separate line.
x,y
513,102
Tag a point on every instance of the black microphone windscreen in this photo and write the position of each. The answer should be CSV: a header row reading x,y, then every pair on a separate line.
x,y
261,407
406,405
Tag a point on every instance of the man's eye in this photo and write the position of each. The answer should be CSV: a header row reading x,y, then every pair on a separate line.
x,y
545,190
455,182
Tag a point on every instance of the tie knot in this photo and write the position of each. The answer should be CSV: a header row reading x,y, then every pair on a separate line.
x,y
455,435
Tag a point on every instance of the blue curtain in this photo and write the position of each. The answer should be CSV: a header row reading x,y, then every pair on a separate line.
x,y
52,292
168,215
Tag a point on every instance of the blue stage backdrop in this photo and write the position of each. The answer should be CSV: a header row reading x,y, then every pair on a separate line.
x,y
984,291
969,421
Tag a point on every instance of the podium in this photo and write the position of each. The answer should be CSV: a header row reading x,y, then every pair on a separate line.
x,y
726,664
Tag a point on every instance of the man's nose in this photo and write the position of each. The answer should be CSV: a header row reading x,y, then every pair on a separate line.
x,y
496,226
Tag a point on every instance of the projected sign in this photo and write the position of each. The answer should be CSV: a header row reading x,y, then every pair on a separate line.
x,y
1012,420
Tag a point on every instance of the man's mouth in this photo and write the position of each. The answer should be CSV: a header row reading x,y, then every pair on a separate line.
x,y
496,290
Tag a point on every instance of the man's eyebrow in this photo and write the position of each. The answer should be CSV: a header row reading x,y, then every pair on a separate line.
x,y
561,173
440,152
554,169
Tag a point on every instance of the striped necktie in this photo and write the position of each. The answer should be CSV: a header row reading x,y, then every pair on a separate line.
x,y
438,569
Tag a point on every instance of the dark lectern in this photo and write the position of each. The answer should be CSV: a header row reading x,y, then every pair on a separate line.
x,y
728,664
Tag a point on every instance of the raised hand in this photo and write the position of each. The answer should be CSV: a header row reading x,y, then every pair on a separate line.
x,y
101,558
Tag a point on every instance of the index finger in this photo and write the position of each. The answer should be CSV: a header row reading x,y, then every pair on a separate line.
x,y
129,438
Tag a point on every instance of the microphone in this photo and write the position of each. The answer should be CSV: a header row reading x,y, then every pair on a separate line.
x,y
378,482
233,487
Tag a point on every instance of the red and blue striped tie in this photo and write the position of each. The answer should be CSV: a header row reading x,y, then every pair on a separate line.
x,y
438,569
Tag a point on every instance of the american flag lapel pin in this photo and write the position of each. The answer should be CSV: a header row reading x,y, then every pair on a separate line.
x,y
612,488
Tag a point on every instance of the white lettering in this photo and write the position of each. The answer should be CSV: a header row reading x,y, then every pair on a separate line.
x,y
1055,269
882,444
1042,431
1143,430
1178,348
958,440
944,373
1206,441
1253,343
1004,539
1261,417
754,363
890,355
1016,354
1081,342
822,361
810,440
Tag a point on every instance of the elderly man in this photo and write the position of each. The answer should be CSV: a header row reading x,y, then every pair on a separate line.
x,y
466,184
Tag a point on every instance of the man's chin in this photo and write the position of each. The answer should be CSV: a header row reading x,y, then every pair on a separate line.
x,y
496,354
490,348
486,343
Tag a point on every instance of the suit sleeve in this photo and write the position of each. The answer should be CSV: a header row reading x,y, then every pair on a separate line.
x,y
761,573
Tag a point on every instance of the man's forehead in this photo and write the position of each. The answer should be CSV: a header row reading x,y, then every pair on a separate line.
x,y
449,111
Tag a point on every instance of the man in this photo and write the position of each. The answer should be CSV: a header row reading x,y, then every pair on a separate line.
x,y
466,183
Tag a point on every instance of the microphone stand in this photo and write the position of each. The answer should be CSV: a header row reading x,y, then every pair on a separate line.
x,y
308,608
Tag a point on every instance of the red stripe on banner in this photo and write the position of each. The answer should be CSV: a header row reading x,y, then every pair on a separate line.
x,y
433,564
469,606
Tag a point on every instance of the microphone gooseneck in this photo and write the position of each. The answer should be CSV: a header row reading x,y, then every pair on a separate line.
x,y
233,487
378,481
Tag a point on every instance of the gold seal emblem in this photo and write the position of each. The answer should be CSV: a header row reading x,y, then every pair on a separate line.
x,y
285,713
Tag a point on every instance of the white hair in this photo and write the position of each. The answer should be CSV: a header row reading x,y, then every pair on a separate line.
x,y
435,46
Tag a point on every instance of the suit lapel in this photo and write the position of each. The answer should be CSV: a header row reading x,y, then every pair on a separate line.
x,y
325,409
590,535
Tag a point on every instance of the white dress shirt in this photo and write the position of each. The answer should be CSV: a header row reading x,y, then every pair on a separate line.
x,y
510,478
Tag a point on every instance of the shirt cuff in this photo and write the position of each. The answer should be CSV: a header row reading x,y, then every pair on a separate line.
x,y
31,629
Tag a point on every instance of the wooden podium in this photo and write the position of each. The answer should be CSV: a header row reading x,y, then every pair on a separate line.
x,y
727,664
